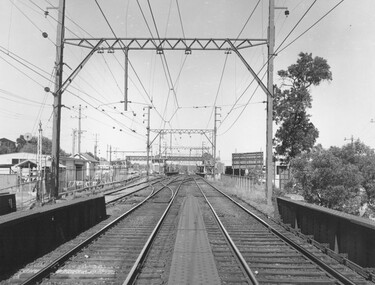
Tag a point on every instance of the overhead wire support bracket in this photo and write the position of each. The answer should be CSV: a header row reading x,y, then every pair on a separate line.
x,y
166,43
256,77
69,80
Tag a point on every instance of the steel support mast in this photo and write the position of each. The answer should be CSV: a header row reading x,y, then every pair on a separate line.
x,y
269,152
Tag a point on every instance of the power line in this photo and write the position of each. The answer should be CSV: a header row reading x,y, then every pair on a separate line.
x,y
144,18
48,79
283,50
23,72
131,65
321,18
15,56
218,89
166,67
31,21
295,26
179,15
248,19
265,64
23,99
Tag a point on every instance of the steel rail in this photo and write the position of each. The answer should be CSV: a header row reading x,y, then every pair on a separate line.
x,y
141,257
242,260
131,185
55,264
333,272
135,191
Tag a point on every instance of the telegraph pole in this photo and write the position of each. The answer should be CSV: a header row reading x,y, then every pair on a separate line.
x,y
352,141
74,141
269,152
96,146
148,141
126,52
79,130
39,196
57,100
215,136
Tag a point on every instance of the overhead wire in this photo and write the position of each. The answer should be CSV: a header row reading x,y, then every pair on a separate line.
x,y
218,89
248,19
287,36
180,17
313,25
278,48
29,19
166,69
131,65
48,79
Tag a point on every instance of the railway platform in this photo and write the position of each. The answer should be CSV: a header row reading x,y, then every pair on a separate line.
x,y
193,261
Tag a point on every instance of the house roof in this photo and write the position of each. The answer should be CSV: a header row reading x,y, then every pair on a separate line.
x,y
86,156
33,163
5,139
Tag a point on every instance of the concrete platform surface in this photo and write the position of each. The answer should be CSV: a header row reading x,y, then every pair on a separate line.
x,y
193,261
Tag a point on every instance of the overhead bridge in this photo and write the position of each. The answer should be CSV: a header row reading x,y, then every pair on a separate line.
x,y
162,159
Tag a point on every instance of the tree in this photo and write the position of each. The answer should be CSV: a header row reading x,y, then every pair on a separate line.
x,y
4,149
361,155
325,179
31,146
296,133
20,142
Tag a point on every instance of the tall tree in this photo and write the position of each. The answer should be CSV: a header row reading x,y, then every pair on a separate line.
x,y
296,133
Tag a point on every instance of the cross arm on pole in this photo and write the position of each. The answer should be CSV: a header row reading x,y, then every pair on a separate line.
x,y
256,77
69,80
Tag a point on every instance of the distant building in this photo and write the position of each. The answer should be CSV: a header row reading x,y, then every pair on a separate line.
x,y
8,160
7,143
90,163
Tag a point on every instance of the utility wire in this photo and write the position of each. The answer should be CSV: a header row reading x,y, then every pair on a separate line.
x,y
31,21
144,18
48,79
277,51
248,19
313,25
130,63
179,15
265,64
28,76
218,89
166,69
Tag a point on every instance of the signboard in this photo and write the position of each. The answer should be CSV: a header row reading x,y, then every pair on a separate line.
x,y
247,160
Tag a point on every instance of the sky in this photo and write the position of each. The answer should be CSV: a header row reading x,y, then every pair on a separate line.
x,y
183,89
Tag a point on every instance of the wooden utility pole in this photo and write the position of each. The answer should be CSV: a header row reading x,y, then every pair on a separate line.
x,y
269,152
74,141
57,100
96,146
126,52
79,130
148,141
215,136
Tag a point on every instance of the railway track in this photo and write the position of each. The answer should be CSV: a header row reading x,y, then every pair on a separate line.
x,y
107,255
173,262
274,255
186,231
